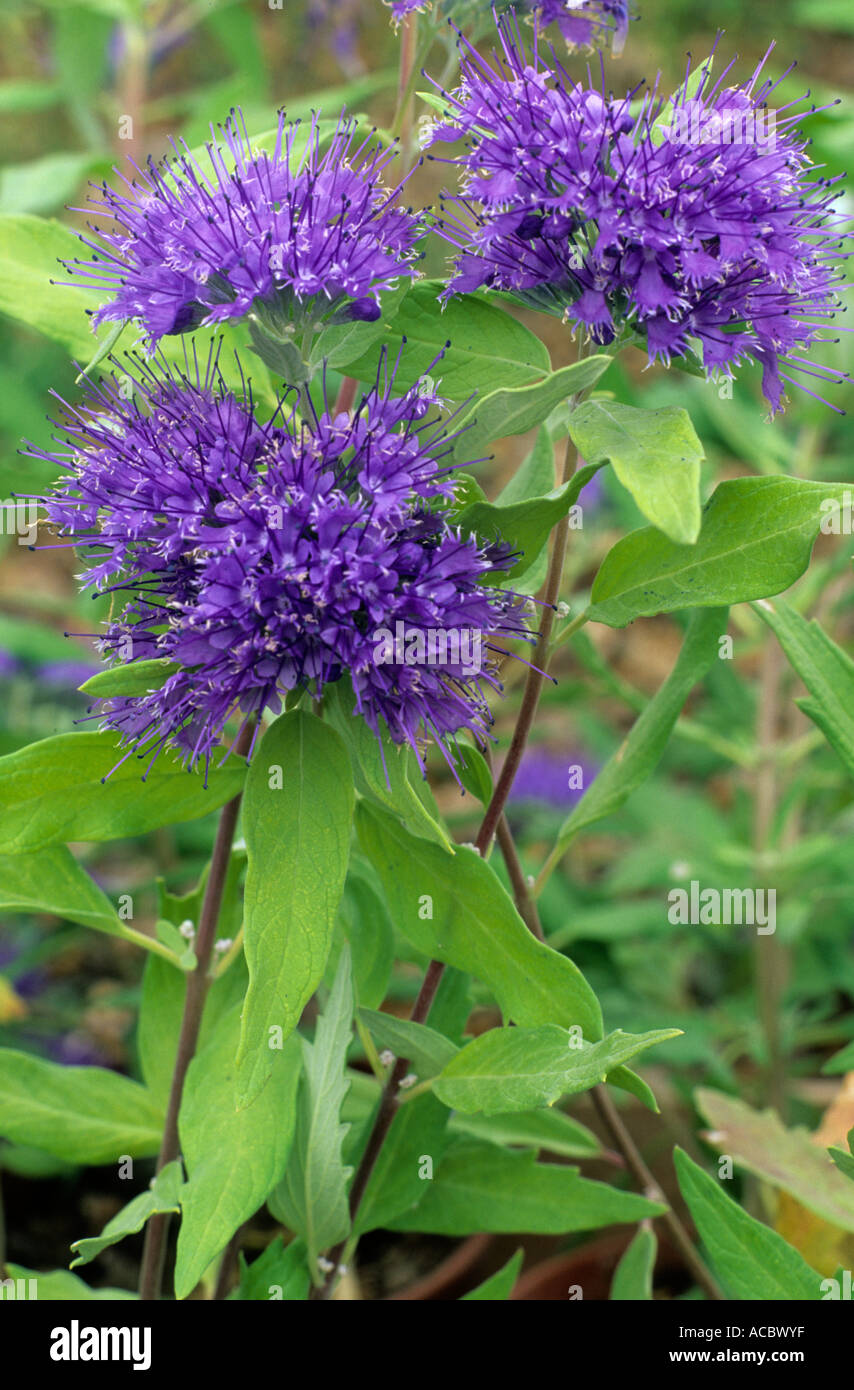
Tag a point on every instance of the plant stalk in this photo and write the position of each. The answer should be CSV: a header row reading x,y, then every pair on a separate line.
x,y
198,983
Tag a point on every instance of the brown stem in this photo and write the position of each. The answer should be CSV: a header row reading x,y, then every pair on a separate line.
x,y
525,904
610,1117
536,675
198,982
346,396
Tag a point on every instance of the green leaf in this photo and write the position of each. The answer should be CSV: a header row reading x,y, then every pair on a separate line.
x,y
420,1128
750,1259
456,910
161,1009
535,476
52,881
826,671
427,1050
632,1280
787,1158
515,410
345,343
82,1114
635,1085
103,350
164,1195
233,1157
30,249
525,525
279,1274
312,1197
641,750
482,1188
509,1069
841,1061
487,346
399,1177
755,541
134,678
33,293
297,811
539,1129
368,929
473,771
656,456
55,790
844,1161
383,771
61,1286
43,184
499,1286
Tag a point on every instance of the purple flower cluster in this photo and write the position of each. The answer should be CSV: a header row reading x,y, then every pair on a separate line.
x,y
401,8
622,222
262,559
586,23
309,227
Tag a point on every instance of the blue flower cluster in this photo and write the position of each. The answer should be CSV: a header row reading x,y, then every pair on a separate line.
x,y
696,224
263,559
309,225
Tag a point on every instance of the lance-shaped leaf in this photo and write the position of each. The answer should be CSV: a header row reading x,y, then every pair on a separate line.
x,y
344,343
83,1114
788,1158
280,1274
632,1280
656,456
384,771
456,910
364,923
163,1196
515,410
296,821
534,477
641,750
312,1197
234,1157
132,678
30,249
419,1132
551,1130
71,787
509,1069
51,880
826,671
752,1262
482,1188
755,541
427,1050
524,525
483,347
499,1286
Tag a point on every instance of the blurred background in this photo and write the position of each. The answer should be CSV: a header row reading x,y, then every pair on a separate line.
x,y
69,75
